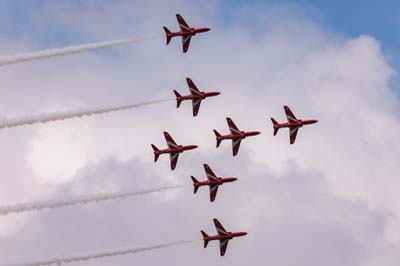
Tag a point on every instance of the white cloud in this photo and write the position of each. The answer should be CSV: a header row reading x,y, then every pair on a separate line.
x,y
330,198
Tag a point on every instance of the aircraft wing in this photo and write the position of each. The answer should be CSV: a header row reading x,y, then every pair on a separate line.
x,y
196,106
210,174
182,23
235,146
186,42
223,245
293,134
289,114
220,229
174,159
213,192
232,127
192,87
170,141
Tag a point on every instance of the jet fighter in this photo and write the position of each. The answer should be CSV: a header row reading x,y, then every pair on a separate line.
x,y
173,149
185,32
293,124
236,136
213,182
195,95
223,237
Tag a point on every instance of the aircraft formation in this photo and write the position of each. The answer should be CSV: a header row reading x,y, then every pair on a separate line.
x,y
236,135
173,149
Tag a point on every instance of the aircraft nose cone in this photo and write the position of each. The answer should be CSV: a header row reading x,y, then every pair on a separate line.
x,y
207,29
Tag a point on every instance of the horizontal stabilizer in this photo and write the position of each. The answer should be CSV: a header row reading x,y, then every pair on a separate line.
x,y
156,152
167,34
276,126
178,99
218,137
205,238
195,184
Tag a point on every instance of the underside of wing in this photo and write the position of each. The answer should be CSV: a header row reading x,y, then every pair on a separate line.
x,y
223,245
196,106
289,115
192,87
293,134
182,23
186,42
170,141
232,127
236,146
210,174
174,159
213,192
220,229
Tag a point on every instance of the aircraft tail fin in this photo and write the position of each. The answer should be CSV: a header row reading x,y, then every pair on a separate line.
x,y
205,238
167,34
218,137
156,152
195,184
178,98
276,126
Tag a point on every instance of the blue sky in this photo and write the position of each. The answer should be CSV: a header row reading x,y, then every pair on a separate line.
x,y
379,19
351,18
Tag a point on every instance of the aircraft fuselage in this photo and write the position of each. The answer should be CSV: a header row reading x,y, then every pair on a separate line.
x,y
191,32
179,149
241,135
228,236
299,123
219,181
202,95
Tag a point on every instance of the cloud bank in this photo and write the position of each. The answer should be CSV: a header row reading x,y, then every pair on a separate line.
x,y
331,198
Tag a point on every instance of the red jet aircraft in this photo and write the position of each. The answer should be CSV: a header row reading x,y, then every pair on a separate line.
x,y
173,149
186,32
195,95
293,124
223,237
213,182
236,136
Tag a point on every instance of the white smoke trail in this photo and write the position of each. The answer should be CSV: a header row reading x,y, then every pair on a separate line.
x,y
101,254
23,57
56,116
37,206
